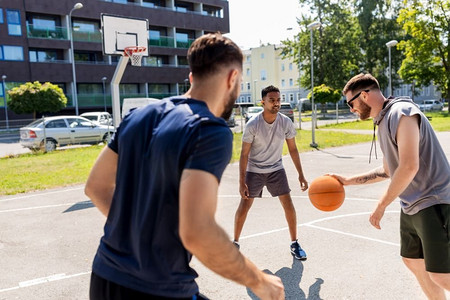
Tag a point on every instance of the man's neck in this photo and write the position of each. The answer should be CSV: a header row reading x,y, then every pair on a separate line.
x,y
269,117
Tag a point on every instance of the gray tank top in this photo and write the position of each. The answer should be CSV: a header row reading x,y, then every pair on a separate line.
x,y
431,185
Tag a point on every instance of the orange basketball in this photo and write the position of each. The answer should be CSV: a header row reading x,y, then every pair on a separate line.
x,y
326,193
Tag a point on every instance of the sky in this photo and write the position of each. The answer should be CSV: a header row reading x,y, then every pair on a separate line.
x,y
253,22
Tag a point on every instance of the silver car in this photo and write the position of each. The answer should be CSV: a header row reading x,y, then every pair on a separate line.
x,y
61,131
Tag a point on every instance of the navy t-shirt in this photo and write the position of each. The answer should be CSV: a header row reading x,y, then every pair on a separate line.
x,y
141,248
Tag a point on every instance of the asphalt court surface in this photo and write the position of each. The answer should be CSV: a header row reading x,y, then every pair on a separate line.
x,y
48,239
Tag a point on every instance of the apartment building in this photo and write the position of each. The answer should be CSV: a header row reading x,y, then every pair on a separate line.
x,y
264,66
35,46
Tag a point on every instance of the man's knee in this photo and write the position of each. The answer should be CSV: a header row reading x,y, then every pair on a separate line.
x,y
245,205
441,279
414,264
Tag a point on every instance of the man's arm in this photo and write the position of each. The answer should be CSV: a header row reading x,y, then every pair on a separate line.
x,y
408,139
205,239
293,152
243,161
101,183
375,175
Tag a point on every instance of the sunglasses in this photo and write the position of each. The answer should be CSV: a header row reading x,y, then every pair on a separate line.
x,y
349,102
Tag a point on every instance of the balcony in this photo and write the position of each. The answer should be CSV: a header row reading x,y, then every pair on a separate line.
x,y
56,32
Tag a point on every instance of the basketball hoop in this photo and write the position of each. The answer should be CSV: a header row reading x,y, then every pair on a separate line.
x,y
135,53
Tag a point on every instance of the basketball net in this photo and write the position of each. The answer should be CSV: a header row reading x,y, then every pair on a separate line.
x,y
135,54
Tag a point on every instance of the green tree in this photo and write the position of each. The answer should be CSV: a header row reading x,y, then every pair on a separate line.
x,y
324,94
427,50
33,97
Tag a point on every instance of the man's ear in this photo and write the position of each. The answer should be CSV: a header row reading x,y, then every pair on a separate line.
x,y
232,78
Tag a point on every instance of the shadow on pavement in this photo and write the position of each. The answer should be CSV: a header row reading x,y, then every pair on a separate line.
x,y
291,278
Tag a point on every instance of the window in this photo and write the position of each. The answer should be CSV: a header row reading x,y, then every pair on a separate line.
x,y
291,97
263,75
13,19
56,124
249,99
90,88
182,61
11,53
248,86
282,67
282,83
291,82
248,71
248,58
1,16
85,26
283,98
262,55
155,60
290,67
42,55
43,23
242,86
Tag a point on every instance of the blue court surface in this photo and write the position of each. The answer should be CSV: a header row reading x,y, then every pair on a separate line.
x,y
48,239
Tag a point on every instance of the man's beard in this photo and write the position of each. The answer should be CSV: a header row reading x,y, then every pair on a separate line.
x,y
230,103
365,111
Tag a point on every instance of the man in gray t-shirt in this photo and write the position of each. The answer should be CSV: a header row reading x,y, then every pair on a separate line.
x,y
261,164
420,176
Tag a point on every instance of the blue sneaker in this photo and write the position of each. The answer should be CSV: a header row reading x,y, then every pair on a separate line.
x,y
297,251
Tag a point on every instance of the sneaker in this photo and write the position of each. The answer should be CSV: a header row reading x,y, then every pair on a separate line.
x,y
237,244
297,251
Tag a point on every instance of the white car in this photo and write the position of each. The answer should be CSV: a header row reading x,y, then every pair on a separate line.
x,y
99,118
61,131
252,111
429,105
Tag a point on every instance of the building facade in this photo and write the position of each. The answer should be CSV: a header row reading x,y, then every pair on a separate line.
x,y
35,46
263,66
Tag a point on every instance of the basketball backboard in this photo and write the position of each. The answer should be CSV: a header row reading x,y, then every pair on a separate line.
x,y
119,32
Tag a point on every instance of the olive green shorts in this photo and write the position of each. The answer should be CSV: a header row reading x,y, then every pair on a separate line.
x,y
426,235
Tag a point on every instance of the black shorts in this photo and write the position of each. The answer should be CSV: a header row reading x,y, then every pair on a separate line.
x,y
102,289
276,183
426,235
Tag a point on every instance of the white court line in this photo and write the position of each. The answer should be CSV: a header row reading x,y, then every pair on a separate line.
x,y
42,194
36,207
304,197
310,224
43,280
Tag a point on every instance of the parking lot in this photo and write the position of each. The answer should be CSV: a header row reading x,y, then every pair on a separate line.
x,y
48,239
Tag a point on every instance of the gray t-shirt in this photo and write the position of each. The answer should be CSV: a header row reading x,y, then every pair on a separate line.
x,y
267,142
431,185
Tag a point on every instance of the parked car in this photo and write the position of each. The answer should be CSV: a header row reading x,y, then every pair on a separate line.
x,y
286,109
429,105
252,111
61,131
99,118
231,122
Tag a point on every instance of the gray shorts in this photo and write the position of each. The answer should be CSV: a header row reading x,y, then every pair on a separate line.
x,y
276,183
426,235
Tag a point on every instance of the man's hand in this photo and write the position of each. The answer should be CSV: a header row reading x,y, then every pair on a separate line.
x,y
243,190
303,183
376,216
270,288
343,180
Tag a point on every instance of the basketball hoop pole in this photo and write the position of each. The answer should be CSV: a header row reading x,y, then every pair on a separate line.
x,y
115,93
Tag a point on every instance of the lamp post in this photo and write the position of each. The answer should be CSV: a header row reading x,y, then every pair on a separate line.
x,y
299,104
6,103
390,44
311,27
72,57
254,88
185,84
104,96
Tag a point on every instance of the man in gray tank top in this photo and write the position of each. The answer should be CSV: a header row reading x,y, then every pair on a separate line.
x,y
420,177
261,164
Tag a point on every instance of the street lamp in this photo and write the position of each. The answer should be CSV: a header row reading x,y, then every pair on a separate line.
x,y
6,104
311,27
254,88
299,105
104,96
390,44
185,84
74,89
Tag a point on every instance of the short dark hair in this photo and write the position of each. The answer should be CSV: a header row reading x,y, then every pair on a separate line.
x,y
212,51
269,89
361,82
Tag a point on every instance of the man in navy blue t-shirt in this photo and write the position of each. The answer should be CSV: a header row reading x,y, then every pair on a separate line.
x,y
157,183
